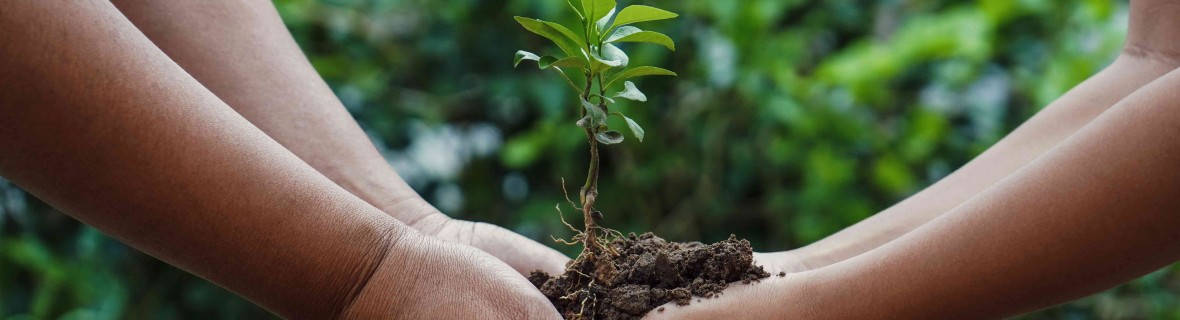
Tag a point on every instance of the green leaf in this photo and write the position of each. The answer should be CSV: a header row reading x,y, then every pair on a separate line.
x,y
555,64
597,116
524,55
565,39
639,13
576,10
635,128
609,137
633,34
639,72
610,57
596,9
613,53
631,92
547,62
602,23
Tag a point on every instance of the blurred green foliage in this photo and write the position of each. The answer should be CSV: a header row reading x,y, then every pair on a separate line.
x,y
791,120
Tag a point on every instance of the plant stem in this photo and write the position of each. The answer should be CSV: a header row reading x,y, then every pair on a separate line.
x,y
590,190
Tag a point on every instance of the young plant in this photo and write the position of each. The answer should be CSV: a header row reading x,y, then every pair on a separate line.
x,y
602,66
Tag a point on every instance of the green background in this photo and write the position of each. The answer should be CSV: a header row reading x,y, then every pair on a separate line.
x,y
790,121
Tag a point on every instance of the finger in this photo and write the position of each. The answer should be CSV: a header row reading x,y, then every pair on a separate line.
x,y
523,254
759,300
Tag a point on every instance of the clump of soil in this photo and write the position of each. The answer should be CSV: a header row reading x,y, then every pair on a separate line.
x,y
635,274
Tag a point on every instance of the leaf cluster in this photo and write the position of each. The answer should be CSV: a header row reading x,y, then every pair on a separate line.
x,y
594,55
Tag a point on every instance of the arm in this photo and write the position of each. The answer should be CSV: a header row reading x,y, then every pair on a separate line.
x,y
242,52
1095,211
1151,51
96,121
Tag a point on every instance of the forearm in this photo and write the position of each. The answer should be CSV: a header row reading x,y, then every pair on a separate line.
x,y
1093,212
244,54
1032,139
99,123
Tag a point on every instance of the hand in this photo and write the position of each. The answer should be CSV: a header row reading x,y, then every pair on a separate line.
x,y
522,254
757,300
427,278
772,298
782,261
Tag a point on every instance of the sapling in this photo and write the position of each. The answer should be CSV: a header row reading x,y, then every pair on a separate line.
x,y
602,67
616,276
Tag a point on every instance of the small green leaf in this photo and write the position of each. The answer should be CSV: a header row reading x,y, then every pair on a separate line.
x,y
633,34
524,55
547,62
610,57
635,128
622,32
609,137
596,9
597,116
639,72
584,122
565,39
639,13
602,23
631,92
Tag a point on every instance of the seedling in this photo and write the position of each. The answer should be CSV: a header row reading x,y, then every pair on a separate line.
x,y
594,58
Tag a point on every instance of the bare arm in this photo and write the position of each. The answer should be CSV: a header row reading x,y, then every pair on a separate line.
x,y
96,121
242,52
1095,211
1151,51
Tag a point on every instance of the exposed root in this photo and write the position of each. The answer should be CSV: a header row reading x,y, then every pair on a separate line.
x,y
562,215
566,193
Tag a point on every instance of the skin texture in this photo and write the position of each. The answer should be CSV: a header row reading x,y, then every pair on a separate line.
x,y
242,52
1091,211
1149,53
99,123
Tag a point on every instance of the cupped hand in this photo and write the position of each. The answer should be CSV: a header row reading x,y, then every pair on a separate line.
x,y
759,300
426,278
521,253
772,298
784,261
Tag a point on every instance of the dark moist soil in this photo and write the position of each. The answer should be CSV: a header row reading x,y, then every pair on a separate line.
x,y
646,273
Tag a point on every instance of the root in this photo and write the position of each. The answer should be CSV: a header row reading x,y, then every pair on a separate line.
x,y
566,193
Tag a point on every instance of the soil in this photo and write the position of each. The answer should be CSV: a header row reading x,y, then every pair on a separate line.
x,y
636,274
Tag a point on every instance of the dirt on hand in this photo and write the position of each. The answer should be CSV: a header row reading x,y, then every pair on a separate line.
x,y
636,274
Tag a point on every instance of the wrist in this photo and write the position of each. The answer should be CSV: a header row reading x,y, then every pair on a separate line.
x,y
392,279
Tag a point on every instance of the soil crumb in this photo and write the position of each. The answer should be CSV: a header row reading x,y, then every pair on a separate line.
x,y
639,273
